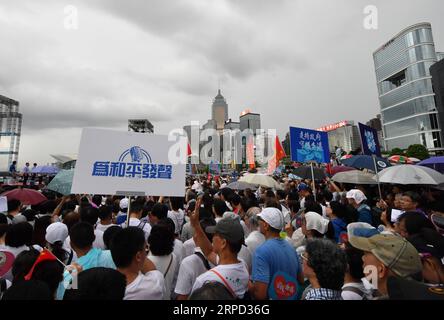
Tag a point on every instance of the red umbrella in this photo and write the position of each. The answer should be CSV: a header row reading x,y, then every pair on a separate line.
x,y
338,169
26,196
347,156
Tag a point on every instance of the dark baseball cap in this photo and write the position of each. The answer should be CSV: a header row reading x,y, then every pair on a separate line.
x,y
229,228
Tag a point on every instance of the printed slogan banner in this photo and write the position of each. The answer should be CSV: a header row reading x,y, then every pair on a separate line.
x,y
119,161
369,140
309,145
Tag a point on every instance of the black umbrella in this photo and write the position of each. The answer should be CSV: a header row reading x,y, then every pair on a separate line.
x,y
305,173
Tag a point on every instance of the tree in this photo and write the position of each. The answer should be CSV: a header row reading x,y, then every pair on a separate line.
x,y
418,151
397,152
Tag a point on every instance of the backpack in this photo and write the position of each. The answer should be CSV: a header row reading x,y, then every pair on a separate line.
x,y
432,269
226,284
3,287
204,261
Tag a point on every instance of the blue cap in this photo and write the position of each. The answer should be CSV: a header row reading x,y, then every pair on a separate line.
x,y
365,233
303,187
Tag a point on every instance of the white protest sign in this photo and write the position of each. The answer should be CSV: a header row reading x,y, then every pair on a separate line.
x,y
111,162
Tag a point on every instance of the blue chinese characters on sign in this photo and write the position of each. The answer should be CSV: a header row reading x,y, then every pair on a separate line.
x,y
369,140
309,145
134,163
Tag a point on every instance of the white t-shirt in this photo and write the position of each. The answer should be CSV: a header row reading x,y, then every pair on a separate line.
x,y
245,256
161,263
350,295
246,230
190,268
104,227
286,214
148,286
178,219
187,232
134,222
179,250
189,247
236,275
254,240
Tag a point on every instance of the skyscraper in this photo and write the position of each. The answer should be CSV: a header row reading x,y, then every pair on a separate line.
x,y
408,110
10,131
249,120
437,72
219,111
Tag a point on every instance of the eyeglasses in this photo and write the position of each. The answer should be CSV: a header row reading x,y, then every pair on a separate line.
x,y
304,256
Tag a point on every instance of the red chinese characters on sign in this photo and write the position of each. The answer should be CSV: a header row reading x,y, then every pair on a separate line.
x,y
332,127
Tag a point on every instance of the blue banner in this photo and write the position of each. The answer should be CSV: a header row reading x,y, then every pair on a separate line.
x,y
309,145
369,140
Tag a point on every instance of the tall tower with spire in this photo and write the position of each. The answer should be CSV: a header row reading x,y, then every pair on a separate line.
x,y
219,111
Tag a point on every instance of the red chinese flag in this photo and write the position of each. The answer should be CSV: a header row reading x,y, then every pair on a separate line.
x,y
45,255
280,152
188,150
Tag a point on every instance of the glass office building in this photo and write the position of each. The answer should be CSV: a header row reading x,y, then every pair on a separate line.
x,y
10,132
408,110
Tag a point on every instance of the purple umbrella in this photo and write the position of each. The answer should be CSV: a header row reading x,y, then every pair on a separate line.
x,y
338,169
436,163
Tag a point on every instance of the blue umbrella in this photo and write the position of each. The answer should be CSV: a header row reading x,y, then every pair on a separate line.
x,y
366,162
45,170
436,163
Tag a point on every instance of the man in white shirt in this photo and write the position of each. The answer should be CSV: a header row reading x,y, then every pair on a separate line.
x,y
135,215
177,214
129,251
227,241
255,238
192,266
106,218
25,173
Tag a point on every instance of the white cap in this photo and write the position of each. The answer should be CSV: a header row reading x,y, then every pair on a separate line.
x,y
56,231
124,203
357,195
273,217
314,221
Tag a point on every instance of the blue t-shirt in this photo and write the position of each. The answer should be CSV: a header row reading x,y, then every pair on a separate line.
x,y
339,226
93,259
365,214
272,256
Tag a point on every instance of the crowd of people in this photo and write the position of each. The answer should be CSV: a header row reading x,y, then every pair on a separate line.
x,y
337,242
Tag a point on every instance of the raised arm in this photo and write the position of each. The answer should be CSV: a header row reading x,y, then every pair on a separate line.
x,y
200,237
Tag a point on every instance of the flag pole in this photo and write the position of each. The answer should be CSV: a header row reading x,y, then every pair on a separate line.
x,y
313,180
128,213
377,176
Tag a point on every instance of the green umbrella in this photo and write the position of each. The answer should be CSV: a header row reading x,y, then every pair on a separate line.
x,y
62,182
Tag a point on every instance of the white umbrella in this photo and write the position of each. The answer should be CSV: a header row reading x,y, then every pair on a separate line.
x,y
355,176
409,174
260,179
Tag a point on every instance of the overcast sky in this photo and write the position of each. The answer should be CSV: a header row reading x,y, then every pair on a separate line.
x,y
296,62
